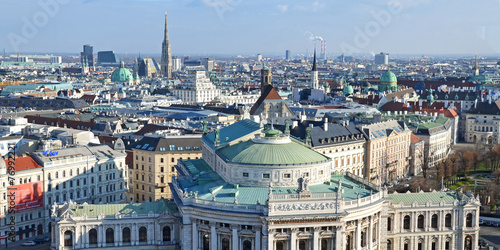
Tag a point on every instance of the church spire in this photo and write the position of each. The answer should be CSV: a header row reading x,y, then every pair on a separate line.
x,y
314,61
166,54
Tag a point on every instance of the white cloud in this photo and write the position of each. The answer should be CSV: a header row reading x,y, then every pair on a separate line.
x,y
282,7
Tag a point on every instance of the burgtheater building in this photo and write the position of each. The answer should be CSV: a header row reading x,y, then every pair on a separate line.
x,y
272,192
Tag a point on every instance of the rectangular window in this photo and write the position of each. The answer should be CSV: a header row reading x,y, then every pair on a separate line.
x,y
286,176
265,176
171,147
245,174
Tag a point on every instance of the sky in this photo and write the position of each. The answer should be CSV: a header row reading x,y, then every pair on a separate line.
x,y
246,27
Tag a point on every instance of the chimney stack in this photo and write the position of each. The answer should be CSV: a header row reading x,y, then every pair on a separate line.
x,y
326,124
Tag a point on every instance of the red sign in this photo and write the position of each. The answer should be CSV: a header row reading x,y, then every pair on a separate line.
x,y
27,196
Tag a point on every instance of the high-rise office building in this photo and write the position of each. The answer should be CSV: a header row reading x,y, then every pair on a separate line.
x,y
208,63
104,57
288,55
382,58
88,54
176,63
166,54
259,57
55,59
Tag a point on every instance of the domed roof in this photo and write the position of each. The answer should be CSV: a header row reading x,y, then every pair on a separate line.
x,y
388,77
348,89
122,74
250,152
420,86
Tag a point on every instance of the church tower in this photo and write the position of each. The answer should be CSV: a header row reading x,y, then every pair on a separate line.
x,y
314,76
166,54
265,78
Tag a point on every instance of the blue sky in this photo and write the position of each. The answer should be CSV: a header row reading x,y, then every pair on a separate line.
x,y
253,26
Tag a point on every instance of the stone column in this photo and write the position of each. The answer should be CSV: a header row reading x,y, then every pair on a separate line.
x,y
235,237
134,234
257,238
76,237
270,239
118,241
58,235
357,237
213,236
195,234
316,238
99,236
293,239
86,236
339,238
370,232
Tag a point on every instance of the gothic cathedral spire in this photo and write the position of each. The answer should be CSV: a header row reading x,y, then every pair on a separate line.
x,y
166,54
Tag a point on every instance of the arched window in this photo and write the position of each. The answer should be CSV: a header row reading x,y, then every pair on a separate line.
x,y
143,234
406,246
420,245
420,222
126,235
226,244
280,245
71,172
389,245
48,177
389,224
93,236
110,235
468,242
77,171
469,220
166,233
57,175
433,244
406,222
68,239
434,221
302,245
363,237
206,242
64,173
447,220
324,244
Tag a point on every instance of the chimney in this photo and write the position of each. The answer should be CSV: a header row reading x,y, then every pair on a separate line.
x,y
325,126
311,126
295,124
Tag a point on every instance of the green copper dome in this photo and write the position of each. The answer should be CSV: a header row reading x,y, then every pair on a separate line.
x,y
122,74
348,90
389,77
249,152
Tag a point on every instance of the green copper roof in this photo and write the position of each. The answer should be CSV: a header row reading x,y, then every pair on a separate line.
x,y
481,79
122,74
127,209
388,77
249,152
209,184
348,89
427,125
422,198
233,132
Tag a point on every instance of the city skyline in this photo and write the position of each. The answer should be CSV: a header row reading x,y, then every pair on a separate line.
x,y
248,27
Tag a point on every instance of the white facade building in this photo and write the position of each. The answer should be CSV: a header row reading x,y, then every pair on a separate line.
x,y
196,89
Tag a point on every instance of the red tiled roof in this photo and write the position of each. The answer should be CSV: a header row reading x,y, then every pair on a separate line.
x,y
415,139
450,113
23,163
269,93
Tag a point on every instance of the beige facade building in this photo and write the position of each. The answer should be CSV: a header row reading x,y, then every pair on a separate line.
x,y
154,161
387,151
